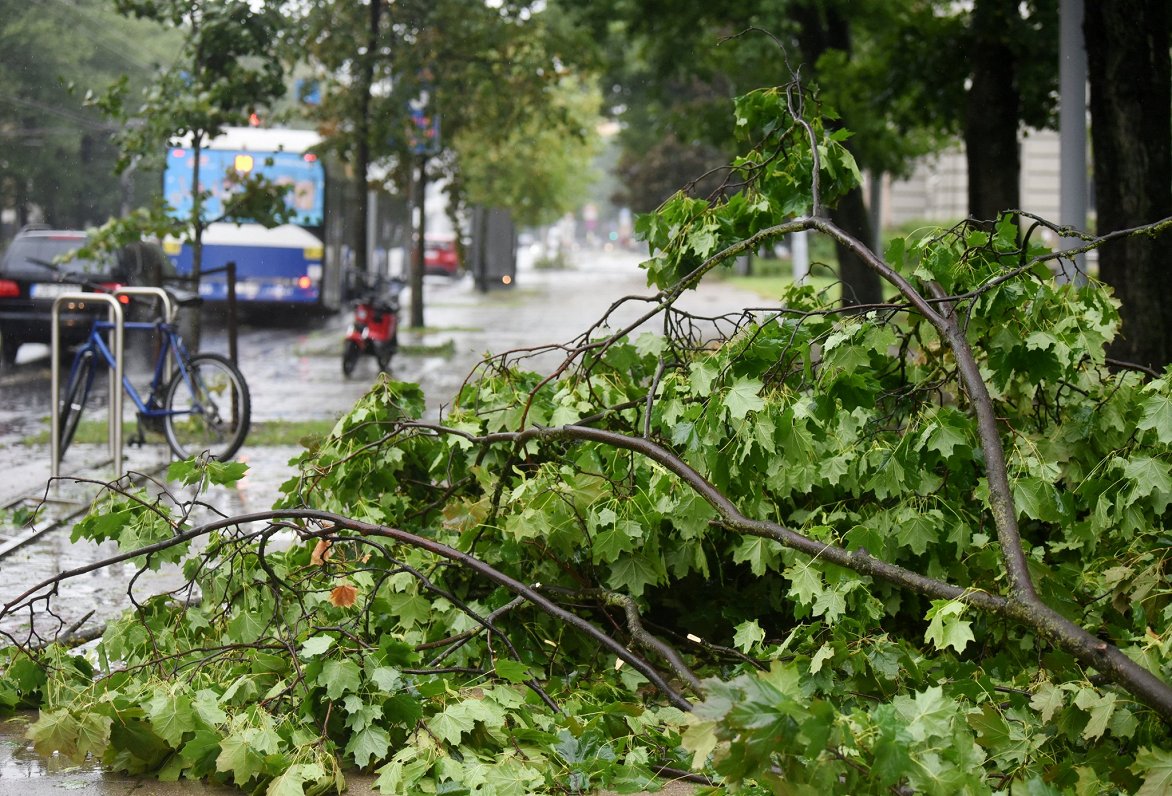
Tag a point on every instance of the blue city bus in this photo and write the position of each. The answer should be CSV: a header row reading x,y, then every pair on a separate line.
x,y
288,264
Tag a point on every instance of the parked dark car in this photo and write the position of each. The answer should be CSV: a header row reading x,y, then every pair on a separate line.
x,y
31,278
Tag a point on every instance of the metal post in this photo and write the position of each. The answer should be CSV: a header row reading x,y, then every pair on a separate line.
x,y
1072,125
114,316
231,275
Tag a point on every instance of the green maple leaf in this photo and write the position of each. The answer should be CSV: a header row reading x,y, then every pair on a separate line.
x,y
316,646
918,531
633,573
511,777
748,635
238,757
700,739
292,781
806,583
1149,475
512,671
761,554
1036,499
1047,699
246,626
1099,706
946,628
171,717
831,603
225,473
340,677
704,241
387,678
54,731
703,373
93,734
450,724
928,715
743,397
1155,765
201,751
207,707
1156,413
368,746
609,544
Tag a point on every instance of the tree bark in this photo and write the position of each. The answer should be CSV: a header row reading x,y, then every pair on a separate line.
x,y
824,28
1131,119
362,152
860,284
992,110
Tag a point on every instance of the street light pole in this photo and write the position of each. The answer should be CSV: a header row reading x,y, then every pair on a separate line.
x,y
420,243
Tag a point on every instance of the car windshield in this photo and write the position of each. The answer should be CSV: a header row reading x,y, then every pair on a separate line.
x,y
25,253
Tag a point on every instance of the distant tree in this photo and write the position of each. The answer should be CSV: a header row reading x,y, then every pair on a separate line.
x,y
56,155
1131,87
495,77
538,171
225,70
890,71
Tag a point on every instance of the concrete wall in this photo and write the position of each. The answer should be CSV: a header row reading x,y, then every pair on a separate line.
x,y
937,189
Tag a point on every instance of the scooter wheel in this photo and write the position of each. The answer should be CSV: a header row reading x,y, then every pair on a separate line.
x,y
384,362
350,356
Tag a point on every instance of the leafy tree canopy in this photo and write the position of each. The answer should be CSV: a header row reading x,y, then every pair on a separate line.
x,y
57,153
514,124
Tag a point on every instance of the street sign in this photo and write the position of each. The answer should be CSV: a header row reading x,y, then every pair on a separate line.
x,y
423,135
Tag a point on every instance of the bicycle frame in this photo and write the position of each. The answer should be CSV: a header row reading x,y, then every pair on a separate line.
x,y
171,344
184,398
171,350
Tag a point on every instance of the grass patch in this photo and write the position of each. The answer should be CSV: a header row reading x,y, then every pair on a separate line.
x,y
446,349
771,276
322,345
262,434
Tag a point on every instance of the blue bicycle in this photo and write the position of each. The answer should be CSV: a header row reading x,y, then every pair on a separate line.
x,y
199,402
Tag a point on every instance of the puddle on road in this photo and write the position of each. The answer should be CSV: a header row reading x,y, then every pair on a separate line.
x,y
21,763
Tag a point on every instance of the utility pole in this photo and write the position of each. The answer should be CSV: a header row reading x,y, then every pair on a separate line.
x,y
1072,127
420,244
424,128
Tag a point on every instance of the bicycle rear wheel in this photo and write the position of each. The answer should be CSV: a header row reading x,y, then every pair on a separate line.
x,y
208,409
77,392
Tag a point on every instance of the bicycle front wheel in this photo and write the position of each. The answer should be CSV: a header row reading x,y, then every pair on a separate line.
x,y
77,392
208,409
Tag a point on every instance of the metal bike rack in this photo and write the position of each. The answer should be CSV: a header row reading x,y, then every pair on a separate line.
x,y
114,316
169,308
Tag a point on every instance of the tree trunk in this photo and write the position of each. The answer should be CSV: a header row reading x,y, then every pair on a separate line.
x,y
362,153
860,284
824,28
1131,119
992,110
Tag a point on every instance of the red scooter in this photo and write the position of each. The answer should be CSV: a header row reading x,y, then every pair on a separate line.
x,y
375,328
